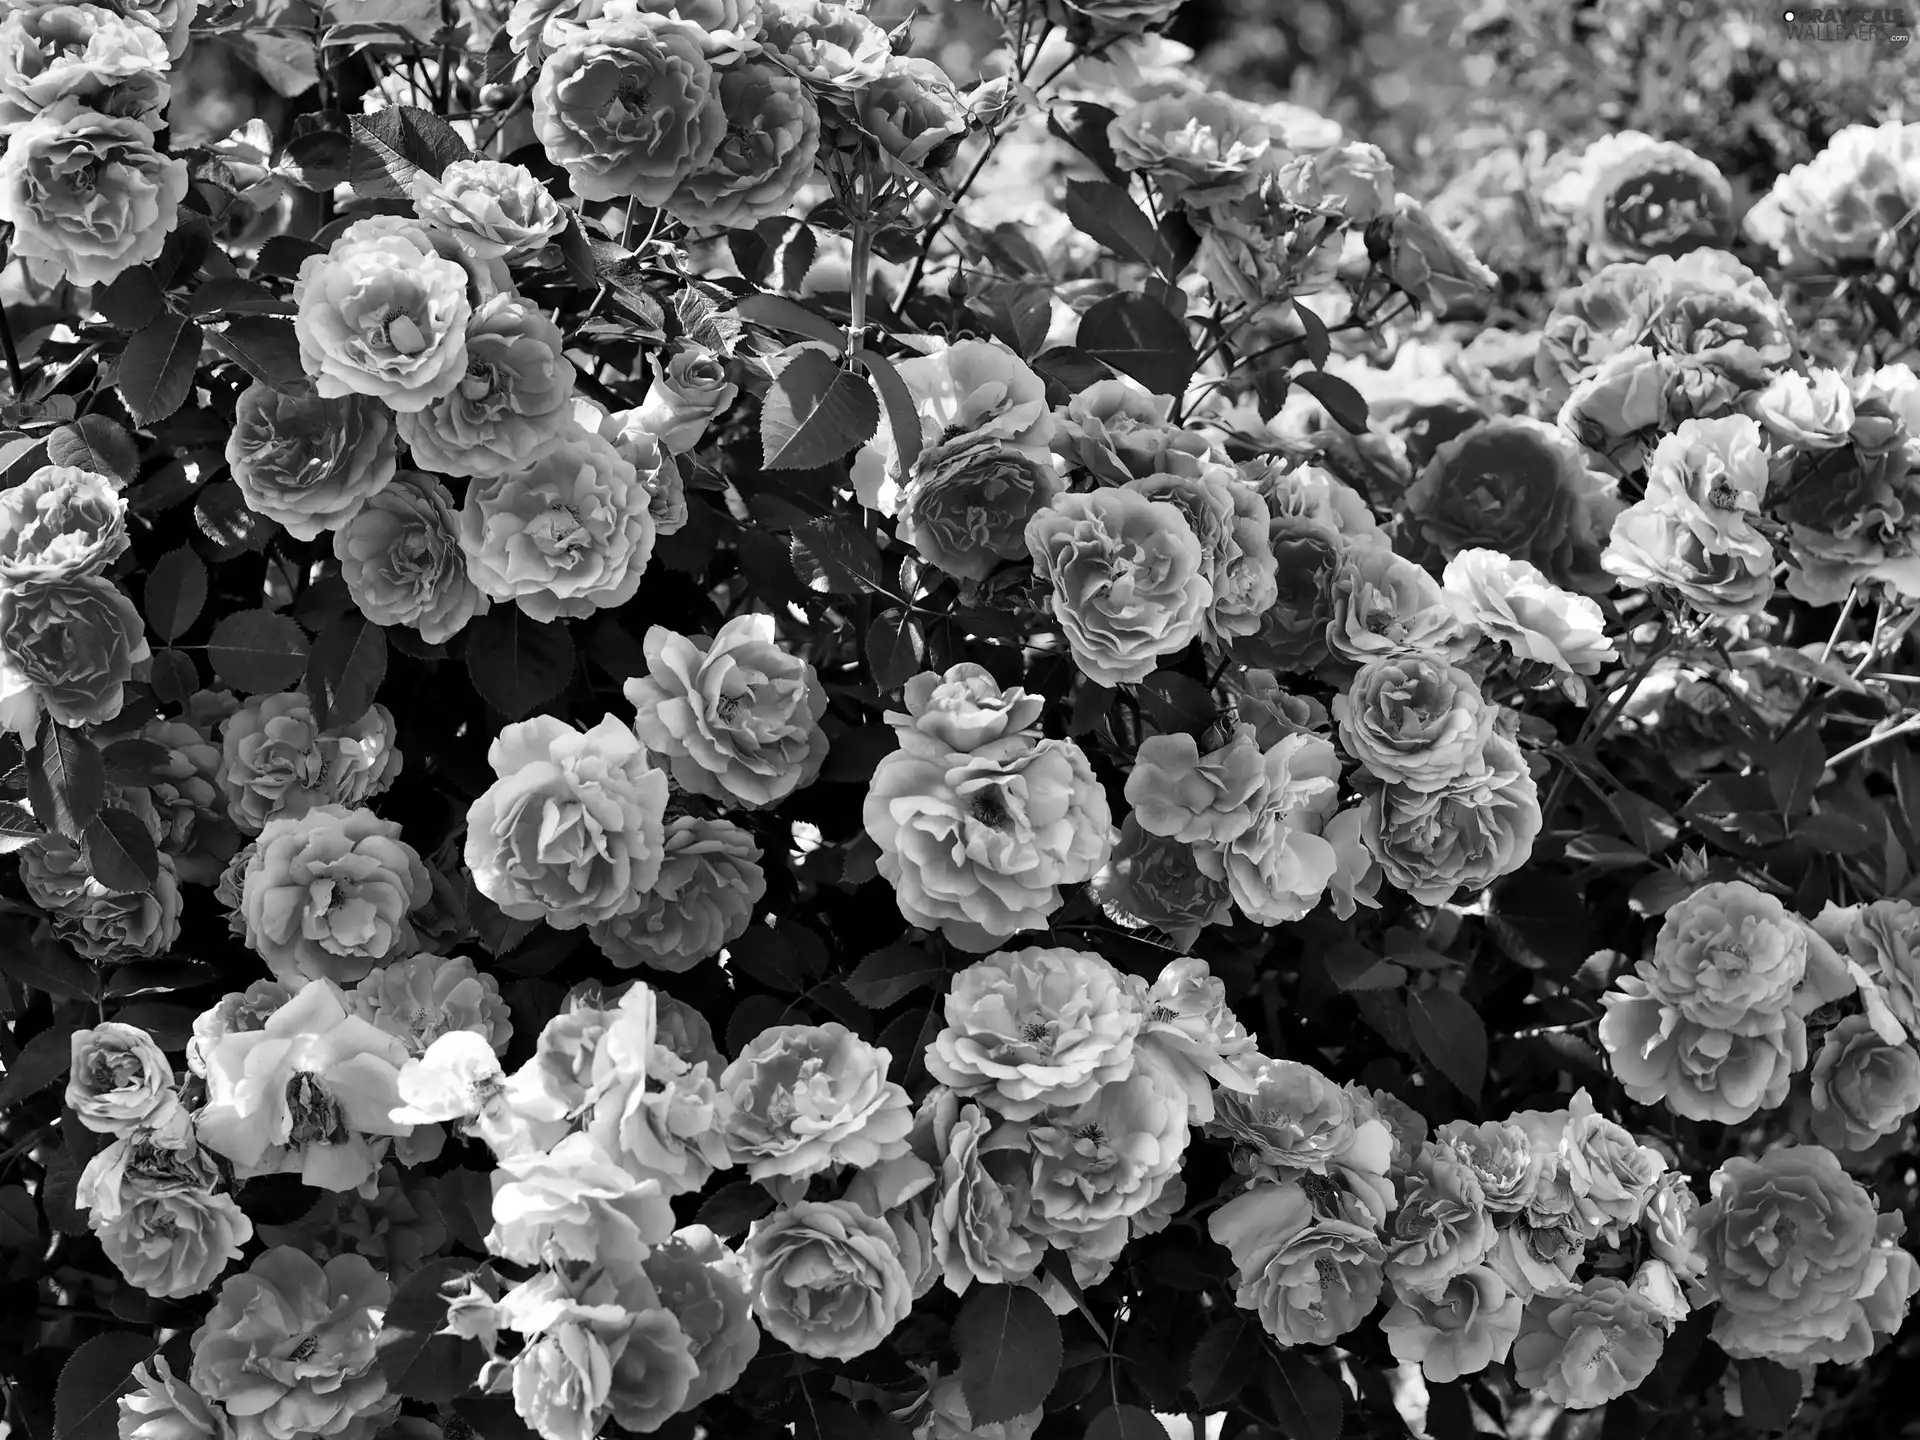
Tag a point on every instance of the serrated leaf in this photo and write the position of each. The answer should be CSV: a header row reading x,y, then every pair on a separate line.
x,y
230,295
18,829
1308,1402
266,348
1769,1394
1108,214
517,663
66,779
731,1209
92,1381
833,556
890,975
1126,1422
1084,126
41,1061
393,145
1140,337
815,412
1352,966
417,1311
1225,1361
776,312
258,652
896,648
903,416
96,443
1010,1349
132,300
344,671
155,374
1451,1034
1319,343
121,853
133,762
1344,403
176,593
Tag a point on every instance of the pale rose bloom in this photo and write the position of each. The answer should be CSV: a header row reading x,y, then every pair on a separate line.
x,y
826,1279
773,137
1197,147
383,314
1356,874
1118,429
653,463
587,119
88,193
1467,834
1443,1227
423,997
309,460
162,1406
1839,205
1612,1174
1307,492
1461,1329
561,1382
1584,1349
1099,1163
980,1230
1863,1088
915,112
1629,196
175,1244
1677,545
85,53
1881,943
401,559
1353,181
575,1202
824,42
276,761
964,711
1501,1157
1279,866
242,1354
703,1285
660,1116
514,400
808,1098
735,717
1209,799
1513,604
1309,1277
1813,411
1720,467
1431,264
310,1093
68,648
1295,1123
1383,604
119,1079
1030,1029
500,211
568,535
330,894
571,831
1128,579
1230,520
1614,410
1655,1283
975,388
703,900
1150,881
978,846
1699,1071
1669,1224
163,1158
458,1080
966,504
61,523
1413,720
237,1011
689,389
1190,1040
101,924
899,1192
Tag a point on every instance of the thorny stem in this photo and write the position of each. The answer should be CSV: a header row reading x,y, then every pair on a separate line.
x,y
1599,721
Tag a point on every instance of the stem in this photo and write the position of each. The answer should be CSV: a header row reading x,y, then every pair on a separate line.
x,y
1853,598
1905,727
859,278
1602,719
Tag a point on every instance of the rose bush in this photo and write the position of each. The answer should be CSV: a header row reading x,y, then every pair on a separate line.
x,y
727,717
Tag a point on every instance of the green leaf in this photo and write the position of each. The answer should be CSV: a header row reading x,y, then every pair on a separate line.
x,y
132,300
1344,403
1319,343
733,1207
1769,1394
815,412
1793,770
1142,338
155,373
393,145
833,556
41,1061
418,1309
1451,1034
1010,1350
517,663
1083,125
265,348
66,779
230,295
176,593
775,312
1225,1361
1308,1402
175,677
18,829
120,852
1352,966
1176,702
96,443
93,1380
1126,1422
903,416
170,1025
890,975
344,672
258,652
896,649
1107,213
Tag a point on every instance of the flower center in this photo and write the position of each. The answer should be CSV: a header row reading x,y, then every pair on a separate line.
x,y
1162,1015
1036,1032
989,807
314,1115
305,1349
